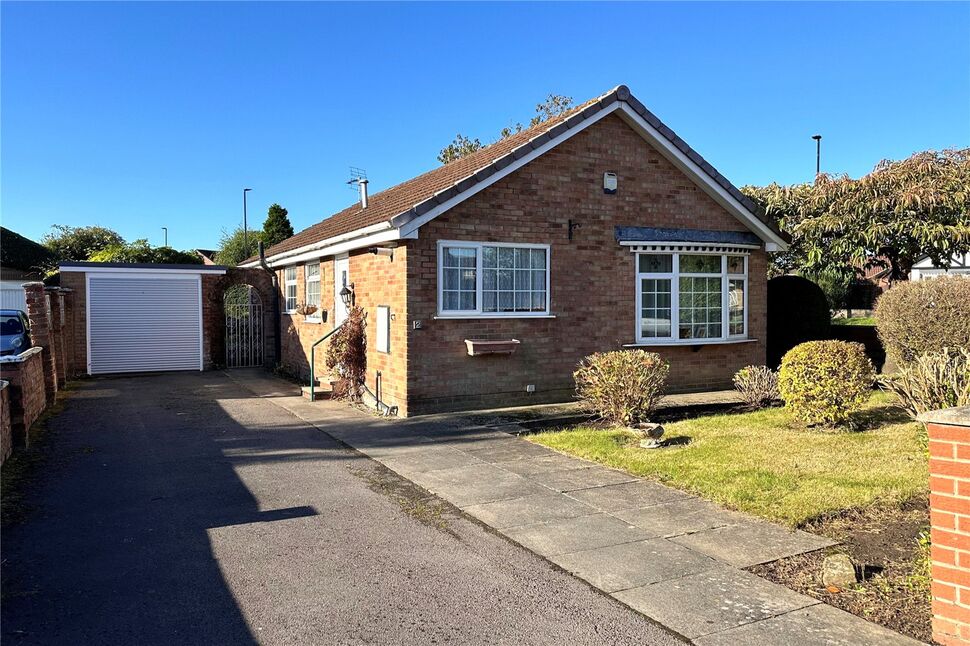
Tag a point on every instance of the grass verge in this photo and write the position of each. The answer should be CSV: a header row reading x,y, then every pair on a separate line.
x,y
855,320
763,463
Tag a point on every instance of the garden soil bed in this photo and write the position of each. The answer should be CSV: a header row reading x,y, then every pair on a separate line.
x,y
884,544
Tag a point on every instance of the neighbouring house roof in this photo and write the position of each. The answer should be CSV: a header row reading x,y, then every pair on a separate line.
x,y
410,200
18,252
208,255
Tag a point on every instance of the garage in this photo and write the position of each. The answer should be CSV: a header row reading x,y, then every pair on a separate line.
x,y
143,318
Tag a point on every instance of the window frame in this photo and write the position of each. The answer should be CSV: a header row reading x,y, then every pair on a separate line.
x,y
286,285
317,316
674,276
477,312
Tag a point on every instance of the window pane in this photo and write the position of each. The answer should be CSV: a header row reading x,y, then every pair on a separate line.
x,y
489,279
290,273
700,307
522,257
538,280
538,301
521,280
313,270
467,301
505,279
489,301
467,257
522,302
656,263
538,258
468,280
506,257
449,301
451,278
736,307
451,257
735,264
654,320
505,301
696,264
489,257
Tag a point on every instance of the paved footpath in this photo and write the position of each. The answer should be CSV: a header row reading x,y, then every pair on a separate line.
x,y
673,557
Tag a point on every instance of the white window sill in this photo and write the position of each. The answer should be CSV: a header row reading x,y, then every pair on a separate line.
x,y
687,342
468,317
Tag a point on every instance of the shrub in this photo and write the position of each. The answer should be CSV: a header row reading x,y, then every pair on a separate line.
x,y
797,312
823,381
914,318
622,387
935,380
758,385
347,351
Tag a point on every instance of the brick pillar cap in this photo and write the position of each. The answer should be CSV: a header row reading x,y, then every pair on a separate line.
x,y
52,289
33,283
959,416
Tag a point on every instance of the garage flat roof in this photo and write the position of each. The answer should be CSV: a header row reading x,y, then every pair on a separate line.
x,y
89,266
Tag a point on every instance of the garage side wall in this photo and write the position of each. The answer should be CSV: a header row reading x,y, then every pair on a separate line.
x,y
77,322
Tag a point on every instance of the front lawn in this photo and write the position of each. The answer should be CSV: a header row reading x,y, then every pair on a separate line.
x,y
762,463
855,320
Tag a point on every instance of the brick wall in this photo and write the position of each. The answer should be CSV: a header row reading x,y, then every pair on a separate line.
x,y
77,323
299,332
214,315
592,278
949,446
6,433
27,395
42,335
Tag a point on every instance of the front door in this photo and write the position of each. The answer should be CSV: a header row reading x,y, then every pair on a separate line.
x,y
341,279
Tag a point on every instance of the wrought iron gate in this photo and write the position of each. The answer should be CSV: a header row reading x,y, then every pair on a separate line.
x,y
244,327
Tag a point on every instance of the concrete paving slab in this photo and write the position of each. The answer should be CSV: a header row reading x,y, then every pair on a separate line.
x,y
476,484
575,534
529,510
752,542
433,458
507,449
818,625
629,494
574,479
544,464
716,599
682,516
618,567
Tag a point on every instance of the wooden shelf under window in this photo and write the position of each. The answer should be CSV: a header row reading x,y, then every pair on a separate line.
x,y
478,347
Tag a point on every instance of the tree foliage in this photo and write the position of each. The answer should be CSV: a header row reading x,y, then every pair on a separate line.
x,y
277,226
890,218
80,243
233,249
461,146
142,251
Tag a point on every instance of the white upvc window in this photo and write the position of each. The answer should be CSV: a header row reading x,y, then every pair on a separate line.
x,y
691,297
312,280
289,286
493,279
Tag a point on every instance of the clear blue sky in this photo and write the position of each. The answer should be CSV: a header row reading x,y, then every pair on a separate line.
x,y
136,116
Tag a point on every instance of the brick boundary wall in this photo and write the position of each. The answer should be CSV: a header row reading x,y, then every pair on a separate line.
x,y
41,335
949,447
27,391
6,433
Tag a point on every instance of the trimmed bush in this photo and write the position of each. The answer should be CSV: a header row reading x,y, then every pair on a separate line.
x,y
797,312
758,385
823,381
622,387
914,318
936,380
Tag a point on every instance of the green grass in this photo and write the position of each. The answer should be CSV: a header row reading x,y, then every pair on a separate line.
x,y
855,320
763,463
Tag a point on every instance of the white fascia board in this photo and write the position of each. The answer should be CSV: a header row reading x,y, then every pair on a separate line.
x,y
125,272
413,225
388,235
712,188
324,245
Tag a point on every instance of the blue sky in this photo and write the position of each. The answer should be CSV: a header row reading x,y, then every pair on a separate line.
x,y
136,116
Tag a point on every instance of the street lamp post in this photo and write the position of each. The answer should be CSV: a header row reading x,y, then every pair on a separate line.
x,y
818,154
165,229
245,223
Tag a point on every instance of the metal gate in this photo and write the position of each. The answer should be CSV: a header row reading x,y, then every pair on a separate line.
x,y
244,327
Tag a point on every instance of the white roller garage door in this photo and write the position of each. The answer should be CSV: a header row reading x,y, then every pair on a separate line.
x,y
144,322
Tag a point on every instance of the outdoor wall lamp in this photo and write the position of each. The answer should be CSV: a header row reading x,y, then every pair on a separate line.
x,y
347,295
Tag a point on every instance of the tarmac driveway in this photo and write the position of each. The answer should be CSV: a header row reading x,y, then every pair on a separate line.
x,y
177,509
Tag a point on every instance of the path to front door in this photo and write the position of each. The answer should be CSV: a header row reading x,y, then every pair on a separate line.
x,y
674,557
182,509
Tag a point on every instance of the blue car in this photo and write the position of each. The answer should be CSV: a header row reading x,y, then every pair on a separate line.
x,y
14,332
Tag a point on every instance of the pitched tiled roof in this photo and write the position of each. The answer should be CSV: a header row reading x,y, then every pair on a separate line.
x,y
422,193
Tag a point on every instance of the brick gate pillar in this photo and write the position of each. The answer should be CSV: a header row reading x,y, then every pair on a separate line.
x,y
949,435
56,300
40,335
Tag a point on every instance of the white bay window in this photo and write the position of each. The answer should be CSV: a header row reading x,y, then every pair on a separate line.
x,y
691,297
312,280
493,279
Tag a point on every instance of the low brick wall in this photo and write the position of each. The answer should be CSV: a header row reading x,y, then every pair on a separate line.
x,y
6,434
27,396
949,445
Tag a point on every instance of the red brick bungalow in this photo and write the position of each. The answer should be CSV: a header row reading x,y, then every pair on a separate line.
x,y
597,230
